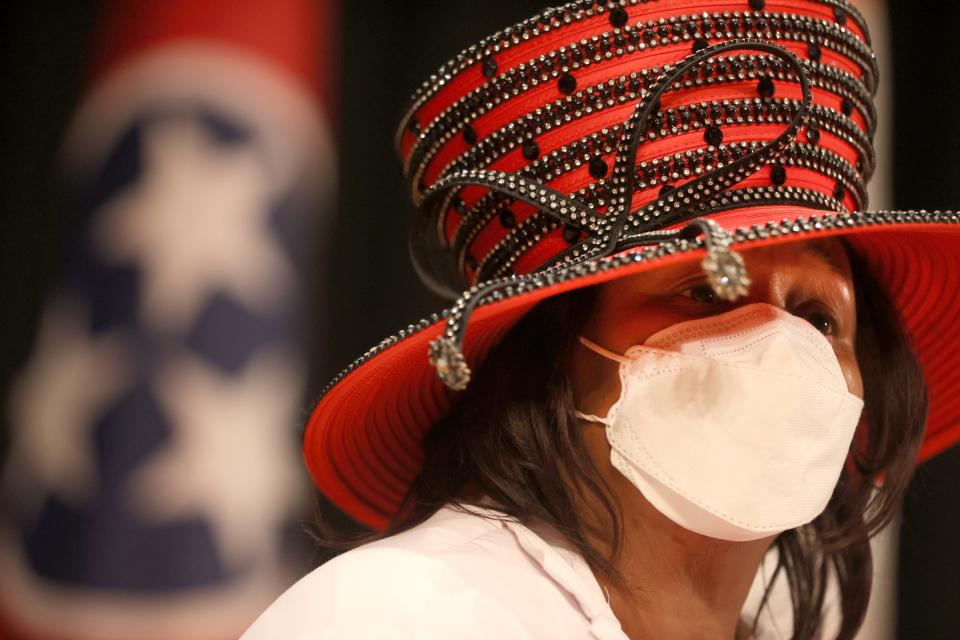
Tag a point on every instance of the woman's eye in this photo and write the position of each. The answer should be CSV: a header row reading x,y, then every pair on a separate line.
x,y
700,293
822,321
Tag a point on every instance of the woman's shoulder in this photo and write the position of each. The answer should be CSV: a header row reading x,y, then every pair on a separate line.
x,y
450,576
448,540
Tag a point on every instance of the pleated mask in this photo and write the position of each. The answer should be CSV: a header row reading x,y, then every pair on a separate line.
x,y
735,426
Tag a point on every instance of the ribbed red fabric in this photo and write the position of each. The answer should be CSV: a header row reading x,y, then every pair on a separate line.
x,y
912,259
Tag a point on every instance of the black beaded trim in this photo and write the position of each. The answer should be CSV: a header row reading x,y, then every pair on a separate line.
x,y
626,89
471,106
613,92
690,163
448,345
668,168
732,199
511,247
680,120
431,142
686,201
517,285
576,217
571,13
689,117
460,250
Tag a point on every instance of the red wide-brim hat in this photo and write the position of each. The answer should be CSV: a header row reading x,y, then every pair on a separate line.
x,y
596,141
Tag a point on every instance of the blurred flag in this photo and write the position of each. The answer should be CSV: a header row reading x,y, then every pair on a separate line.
x,y
154,462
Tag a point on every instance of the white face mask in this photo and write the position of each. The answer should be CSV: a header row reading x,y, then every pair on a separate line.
x,y
735,426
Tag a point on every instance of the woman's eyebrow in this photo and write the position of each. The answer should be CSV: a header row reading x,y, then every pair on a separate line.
x,y
829,257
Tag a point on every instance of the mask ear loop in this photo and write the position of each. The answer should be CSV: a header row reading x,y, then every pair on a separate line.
x,y
590,417
593,346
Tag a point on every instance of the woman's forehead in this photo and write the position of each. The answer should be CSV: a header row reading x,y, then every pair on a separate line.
x,y
828,253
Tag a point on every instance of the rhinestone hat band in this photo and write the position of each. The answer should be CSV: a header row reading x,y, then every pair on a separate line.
x,y
547,97
724,268
558,121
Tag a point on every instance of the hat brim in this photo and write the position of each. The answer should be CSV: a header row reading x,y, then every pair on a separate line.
x,y
362,441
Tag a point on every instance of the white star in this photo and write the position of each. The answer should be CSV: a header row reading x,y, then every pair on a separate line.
x,y
68,380
233,459
196,222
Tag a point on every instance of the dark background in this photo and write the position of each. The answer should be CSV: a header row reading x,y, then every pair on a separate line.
x,y
369,289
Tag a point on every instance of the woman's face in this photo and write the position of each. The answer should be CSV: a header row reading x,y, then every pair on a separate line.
x,y
811,280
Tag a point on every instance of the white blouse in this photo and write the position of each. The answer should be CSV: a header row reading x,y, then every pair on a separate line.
x,y
456,575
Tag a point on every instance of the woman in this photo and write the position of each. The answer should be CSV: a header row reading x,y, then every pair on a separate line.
x,y
682,346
